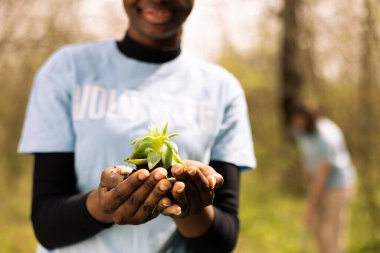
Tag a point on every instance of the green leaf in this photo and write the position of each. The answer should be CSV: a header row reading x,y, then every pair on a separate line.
x,y
163,152
161,139
137,161
153,159
140,149
165,129
177,159
154,148
136,141
145,153
173,135
173,146
148,138
151,131
167,156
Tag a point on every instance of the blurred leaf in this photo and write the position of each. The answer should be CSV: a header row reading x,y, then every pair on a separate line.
x,y
167,156
153,159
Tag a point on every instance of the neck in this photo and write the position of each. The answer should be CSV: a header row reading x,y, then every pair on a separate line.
x,y
169,42
142,52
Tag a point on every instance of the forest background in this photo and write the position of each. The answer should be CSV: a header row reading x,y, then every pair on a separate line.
x,y
326,51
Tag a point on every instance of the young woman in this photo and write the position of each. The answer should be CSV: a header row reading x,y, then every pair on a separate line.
x,y
90,100
330,175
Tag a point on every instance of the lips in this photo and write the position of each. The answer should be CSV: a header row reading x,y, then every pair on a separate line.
x,y
157,15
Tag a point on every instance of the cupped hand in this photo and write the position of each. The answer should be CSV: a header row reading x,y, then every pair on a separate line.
x,y
194,189
134,200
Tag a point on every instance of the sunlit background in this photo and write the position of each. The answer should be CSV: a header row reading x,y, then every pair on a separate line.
x,y
338,59
217,20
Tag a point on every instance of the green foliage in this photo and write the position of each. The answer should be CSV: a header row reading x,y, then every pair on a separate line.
x,y
271,220
30,32
155,148
272,197
16,234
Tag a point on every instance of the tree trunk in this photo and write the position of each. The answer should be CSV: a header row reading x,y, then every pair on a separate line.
x,y
290,70
367,118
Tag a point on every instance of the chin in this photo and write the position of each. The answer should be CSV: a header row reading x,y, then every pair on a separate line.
x,y
159,32
163,35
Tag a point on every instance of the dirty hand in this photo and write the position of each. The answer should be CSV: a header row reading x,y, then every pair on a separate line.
x,y
134,200
194,189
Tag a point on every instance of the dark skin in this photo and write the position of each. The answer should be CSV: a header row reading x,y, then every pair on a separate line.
x,y
131,201
142,196
157,23
194,194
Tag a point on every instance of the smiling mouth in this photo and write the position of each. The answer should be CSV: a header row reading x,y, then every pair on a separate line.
x,y
157,15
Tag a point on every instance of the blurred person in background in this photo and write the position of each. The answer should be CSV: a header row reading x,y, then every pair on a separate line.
x,y
330,177
89,101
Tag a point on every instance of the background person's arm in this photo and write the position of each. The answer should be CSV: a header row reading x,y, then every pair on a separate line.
x,y
306,174
316,190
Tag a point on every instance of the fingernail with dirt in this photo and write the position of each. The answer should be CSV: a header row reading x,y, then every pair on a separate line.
x,y
143,175
164,187
160,174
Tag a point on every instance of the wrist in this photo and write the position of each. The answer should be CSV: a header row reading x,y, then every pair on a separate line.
x,y
95,210
196,225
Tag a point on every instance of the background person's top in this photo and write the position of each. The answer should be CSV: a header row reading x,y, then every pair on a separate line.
x,y
328,145
92,100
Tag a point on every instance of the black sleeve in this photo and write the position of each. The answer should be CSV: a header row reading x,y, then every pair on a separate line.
x,y
222,236
59,213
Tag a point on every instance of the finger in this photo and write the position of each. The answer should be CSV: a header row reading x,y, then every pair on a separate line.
x,y
194,163
178,171
111,177
207,195
179,196
172,211
219,180
214,178
164,203
124,170
150,204
198,178
202,184
191,191
110,200
137,199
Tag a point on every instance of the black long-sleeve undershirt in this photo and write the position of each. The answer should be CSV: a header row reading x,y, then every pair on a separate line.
x,y
222,236
59,213
60,217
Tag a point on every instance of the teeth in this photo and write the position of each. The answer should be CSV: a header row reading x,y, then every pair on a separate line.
x,y
160,13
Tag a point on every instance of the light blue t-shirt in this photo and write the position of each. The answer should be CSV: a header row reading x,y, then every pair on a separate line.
x,y
92,100
328,145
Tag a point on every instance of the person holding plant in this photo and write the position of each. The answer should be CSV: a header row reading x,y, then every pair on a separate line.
x,y
330,176
89,101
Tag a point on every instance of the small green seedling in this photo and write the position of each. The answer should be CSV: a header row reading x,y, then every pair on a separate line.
x,y
155,150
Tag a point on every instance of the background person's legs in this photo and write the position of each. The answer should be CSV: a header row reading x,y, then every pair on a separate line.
x,y
332,221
